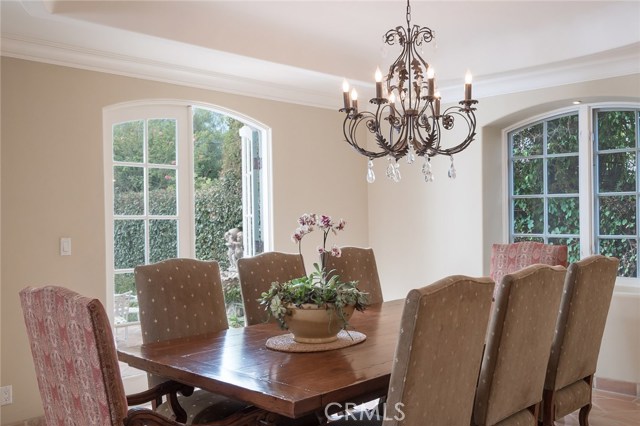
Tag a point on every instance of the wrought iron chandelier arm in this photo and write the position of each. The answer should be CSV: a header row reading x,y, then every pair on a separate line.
x,y
468,116
400,146
430,141
350,127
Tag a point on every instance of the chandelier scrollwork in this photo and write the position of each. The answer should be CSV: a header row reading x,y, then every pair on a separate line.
x,y
406,121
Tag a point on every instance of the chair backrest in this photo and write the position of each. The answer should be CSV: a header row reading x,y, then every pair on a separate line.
x,y
179,298
518,344
435,369
509,258
256,275
357,264
75,358
583,313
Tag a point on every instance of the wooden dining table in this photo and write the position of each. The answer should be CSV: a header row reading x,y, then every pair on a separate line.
x,y
237,364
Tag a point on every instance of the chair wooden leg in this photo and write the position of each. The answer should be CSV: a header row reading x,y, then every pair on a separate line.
x,y
178,411
583,416
156,402
548,407
535,410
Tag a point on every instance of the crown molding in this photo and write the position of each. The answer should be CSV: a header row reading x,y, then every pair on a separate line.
x,y
306,87
612,63
303,87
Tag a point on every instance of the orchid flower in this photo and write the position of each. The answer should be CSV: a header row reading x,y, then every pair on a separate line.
x,y
307,222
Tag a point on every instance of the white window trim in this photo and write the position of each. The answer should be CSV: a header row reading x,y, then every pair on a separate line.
x,y
586,167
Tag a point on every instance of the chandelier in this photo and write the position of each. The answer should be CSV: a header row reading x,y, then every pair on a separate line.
x,y
407,121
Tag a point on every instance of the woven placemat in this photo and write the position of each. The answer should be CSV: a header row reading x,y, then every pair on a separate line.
x,y
285,342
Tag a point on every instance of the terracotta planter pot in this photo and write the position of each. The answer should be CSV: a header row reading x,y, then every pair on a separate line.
x,y
313,324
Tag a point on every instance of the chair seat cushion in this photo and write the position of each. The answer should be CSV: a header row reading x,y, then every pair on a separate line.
x,y
521,418
572,397
203,407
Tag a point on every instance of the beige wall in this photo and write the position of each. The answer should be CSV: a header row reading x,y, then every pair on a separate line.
x,y
447,227
52,186
620,350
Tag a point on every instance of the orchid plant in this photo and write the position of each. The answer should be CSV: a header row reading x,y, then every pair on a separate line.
x,y
308,222
321,288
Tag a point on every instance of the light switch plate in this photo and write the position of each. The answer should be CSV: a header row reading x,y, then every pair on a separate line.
x,y
6,395
65,246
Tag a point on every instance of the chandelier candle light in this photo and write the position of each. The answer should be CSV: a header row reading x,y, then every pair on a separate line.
x,y
407,120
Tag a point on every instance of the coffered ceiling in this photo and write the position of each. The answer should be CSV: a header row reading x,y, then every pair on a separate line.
x,y
299,51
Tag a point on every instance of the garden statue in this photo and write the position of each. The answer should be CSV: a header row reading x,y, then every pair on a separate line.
x,y
235,249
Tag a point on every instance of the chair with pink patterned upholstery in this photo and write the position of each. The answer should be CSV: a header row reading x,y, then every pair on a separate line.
x,y
77,367
509,258
357,264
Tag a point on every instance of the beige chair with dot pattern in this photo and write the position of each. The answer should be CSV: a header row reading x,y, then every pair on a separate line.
x,y
574,353
437,358
357,264
518,344
181,298
256,275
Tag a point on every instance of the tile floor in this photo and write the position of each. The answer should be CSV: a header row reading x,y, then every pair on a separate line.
x,y
609,409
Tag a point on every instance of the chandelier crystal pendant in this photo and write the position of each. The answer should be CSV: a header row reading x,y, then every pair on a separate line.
x,y
407,121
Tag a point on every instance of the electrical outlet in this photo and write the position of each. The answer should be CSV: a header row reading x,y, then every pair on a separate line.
x,y
6,395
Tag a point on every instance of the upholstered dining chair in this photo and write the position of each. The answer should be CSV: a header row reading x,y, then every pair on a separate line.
x,y
574,353
181,298
438,354
77,367
521,329
512,257
256,275
357,264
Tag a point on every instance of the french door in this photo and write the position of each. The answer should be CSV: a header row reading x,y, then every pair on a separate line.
x,y
178,180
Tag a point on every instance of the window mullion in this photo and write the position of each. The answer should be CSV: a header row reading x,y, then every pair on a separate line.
x,y
185,182
545,182
637,135
587,165
145,162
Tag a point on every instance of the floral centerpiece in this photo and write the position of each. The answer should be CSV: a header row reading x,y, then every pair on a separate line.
x,y
320,290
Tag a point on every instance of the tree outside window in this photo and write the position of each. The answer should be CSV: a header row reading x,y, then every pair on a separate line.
x,y
616,187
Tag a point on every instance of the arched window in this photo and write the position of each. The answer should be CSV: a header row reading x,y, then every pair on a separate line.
x,y
573,179
182,180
